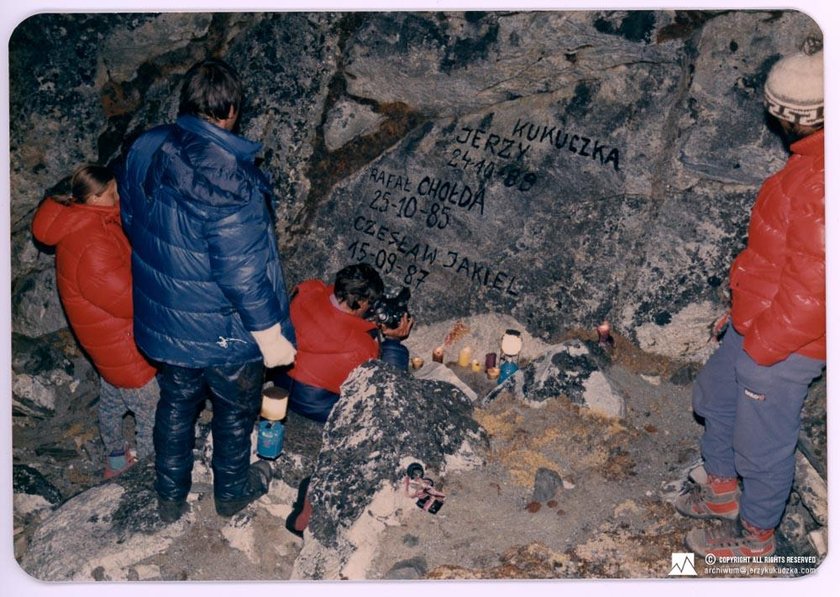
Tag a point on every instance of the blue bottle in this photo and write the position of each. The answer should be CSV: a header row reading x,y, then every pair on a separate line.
x,y
270,429
507,369
270,439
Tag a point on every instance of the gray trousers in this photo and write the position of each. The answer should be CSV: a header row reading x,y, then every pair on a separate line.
x,y
752,418
115,402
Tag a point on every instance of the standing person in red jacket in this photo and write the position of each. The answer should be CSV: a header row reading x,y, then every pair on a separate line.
x,y
751,391
335,337
93,269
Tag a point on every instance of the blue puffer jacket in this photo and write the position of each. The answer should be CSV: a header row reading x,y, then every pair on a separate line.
x,y
205,261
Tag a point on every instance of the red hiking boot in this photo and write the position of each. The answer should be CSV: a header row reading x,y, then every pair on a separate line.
x,y
118,463
298,520
709,497
739,539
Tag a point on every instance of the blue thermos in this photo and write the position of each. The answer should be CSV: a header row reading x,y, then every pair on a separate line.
x,y
270,438
270,429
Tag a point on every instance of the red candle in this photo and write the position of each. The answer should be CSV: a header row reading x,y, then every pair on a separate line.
x,y
490,360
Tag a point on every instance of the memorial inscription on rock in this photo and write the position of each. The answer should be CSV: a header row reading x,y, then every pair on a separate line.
x,y
504,209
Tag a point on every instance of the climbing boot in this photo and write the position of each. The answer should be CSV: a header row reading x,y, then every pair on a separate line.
x,y
298,519
738,538
118,462
709,497
259,479
171,510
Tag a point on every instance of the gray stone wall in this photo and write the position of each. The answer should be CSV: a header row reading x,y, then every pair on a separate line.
x,y
559,167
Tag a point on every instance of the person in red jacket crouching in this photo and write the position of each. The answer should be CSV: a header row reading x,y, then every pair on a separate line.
x,y
751,390
93,269
335,336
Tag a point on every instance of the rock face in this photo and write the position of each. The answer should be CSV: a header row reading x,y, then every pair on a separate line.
x,y
575,178
384,421
562,167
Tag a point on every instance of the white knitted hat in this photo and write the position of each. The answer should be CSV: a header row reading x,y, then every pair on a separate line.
x,y
794,88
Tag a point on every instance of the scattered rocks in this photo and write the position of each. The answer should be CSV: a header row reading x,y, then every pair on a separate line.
x,y
48,374
812,489
97,534
684,375
546,483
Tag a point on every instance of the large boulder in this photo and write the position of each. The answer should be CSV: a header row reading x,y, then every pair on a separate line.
x,y
575,369
100,533
385,420
570,171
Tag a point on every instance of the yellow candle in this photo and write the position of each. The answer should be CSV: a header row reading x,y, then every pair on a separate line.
x,y
416,362
464,356
437,355
476,366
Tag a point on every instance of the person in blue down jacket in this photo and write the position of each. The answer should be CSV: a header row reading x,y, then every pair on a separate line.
x,y
210,301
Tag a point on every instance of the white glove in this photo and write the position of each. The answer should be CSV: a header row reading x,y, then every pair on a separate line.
x,y
275,349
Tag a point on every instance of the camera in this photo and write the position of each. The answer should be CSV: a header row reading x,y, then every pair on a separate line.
x,y
390,307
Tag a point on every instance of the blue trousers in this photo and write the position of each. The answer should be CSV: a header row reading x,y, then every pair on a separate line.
x,y
236,394
752,419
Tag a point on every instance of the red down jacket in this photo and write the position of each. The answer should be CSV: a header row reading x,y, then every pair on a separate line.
x,y
330,342
93,270
778,281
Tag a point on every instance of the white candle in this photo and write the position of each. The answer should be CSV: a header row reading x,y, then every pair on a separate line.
x,y
274,403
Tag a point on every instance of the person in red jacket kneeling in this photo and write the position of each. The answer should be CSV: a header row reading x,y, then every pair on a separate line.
x,y
334,337
93,269
750,392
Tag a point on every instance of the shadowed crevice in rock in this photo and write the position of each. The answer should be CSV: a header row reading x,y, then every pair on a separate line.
x,y
326,167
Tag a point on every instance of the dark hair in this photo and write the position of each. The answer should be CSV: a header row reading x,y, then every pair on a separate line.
x,y
211,88
87,180
358,282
